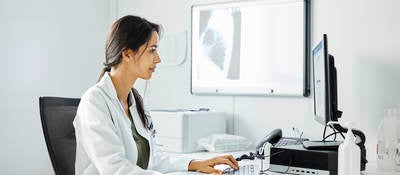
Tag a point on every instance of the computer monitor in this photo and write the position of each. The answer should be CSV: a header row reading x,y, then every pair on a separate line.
x,y
326,100
325,86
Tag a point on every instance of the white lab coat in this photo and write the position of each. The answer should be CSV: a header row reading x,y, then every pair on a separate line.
x,y
105,144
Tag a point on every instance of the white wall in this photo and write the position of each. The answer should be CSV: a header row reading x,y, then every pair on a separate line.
x,y
363,36
47,48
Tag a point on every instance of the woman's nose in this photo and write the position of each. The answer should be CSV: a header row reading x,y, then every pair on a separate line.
x,y
157,59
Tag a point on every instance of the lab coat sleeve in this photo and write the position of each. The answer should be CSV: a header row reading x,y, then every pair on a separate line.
x,y
165,164
96,132
162,162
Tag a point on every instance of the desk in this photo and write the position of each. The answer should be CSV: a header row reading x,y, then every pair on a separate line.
x,y
370,170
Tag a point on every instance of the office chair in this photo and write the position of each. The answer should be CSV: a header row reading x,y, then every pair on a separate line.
x,y
57,115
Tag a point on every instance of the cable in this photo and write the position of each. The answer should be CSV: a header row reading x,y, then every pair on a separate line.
x,y
331,135
342,135
270,155
274,154
323,136
288,167
252,155
334,131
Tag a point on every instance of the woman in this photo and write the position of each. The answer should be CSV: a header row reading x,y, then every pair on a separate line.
x,y
114,133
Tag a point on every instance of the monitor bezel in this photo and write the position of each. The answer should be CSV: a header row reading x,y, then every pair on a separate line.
x,y
328,84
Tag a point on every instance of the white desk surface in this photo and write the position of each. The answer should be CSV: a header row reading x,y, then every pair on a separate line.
x,y
370,170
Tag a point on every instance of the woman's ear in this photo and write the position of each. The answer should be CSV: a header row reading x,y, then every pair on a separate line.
x,y
128,55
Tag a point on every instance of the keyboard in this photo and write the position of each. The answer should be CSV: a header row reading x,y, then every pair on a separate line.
x,y
248,169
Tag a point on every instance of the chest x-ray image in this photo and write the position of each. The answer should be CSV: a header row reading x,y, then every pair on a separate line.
x,y
219,44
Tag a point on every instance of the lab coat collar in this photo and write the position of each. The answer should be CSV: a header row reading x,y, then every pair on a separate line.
x,y
138,124
131,99
109,89
108,86
136,119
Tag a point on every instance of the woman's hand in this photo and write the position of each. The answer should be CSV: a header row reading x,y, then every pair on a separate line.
x,y
207,165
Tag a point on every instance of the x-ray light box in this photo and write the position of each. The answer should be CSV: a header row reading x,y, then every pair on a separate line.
x,y
250,48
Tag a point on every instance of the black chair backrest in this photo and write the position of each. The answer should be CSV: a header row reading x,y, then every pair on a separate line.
x,y
57,115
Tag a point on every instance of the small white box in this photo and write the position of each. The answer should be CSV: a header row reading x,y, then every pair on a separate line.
x,y
179,131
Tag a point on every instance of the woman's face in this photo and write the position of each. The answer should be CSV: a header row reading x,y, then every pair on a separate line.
x,y
146,58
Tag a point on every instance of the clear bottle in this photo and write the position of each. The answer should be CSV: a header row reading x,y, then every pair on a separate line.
x,y
387,141
349,155
398,155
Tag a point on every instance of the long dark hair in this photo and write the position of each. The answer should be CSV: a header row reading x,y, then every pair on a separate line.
x,y
128,32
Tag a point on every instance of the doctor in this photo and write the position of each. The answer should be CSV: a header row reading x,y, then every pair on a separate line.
x,y
114,132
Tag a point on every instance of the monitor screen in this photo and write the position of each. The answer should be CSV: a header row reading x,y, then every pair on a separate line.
x,y
320,78
248,47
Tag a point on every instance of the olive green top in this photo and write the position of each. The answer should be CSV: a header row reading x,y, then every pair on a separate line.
x,y
143,147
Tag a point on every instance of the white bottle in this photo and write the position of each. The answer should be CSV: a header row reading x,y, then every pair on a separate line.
x,y
349,158
387,141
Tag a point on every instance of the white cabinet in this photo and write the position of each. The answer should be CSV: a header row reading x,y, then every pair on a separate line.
x,y
179,131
